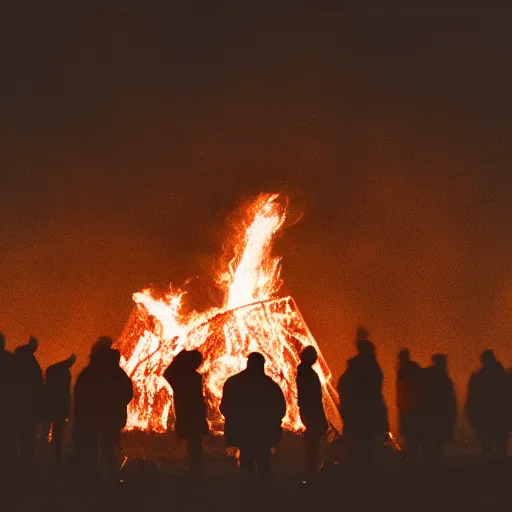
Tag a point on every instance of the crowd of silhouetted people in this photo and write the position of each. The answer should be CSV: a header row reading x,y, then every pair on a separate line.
x,y
252,404
28,398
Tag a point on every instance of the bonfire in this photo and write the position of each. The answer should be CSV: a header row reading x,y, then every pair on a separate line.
x,y
253,317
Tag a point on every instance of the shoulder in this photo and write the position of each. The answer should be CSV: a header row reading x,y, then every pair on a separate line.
x,y
53,369
475,377
231,381
274,385
86,373
122,373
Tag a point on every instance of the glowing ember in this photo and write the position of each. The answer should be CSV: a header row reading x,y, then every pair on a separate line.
x,y
393,441
252,318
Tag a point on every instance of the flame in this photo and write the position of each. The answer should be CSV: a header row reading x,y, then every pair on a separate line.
x,y
393,441
253,317
255,275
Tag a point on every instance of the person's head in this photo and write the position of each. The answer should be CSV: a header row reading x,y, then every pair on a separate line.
x,y
2,342
365,347
71,360
105,342
102,344
100,349
440,361
488,357
362,333
309,355
195,359
256,362
33,344
404,355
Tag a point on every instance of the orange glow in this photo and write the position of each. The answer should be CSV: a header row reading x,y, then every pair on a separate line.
x,y
253,317
394,441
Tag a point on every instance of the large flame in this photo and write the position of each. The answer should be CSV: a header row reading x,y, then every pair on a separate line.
x,y
252,318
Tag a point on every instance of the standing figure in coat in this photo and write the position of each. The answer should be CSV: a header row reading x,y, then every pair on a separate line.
x,y
253,406
58,401
362,406
487,405
439,409
189,405
102,394
408,402
311,408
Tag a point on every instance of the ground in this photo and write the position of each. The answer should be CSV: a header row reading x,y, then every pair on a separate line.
x,y
154,478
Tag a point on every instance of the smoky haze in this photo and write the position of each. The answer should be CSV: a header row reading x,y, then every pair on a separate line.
x,y
129,133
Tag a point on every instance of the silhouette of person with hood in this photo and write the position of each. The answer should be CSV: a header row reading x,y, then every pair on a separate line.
x,y
408,402
7,407
253,406
189,405
362,406
311,408
487,405
439,409
58,401
30,387
102,394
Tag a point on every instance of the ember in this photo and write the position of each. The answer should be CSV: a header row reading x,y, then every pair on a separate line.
x,y
253,317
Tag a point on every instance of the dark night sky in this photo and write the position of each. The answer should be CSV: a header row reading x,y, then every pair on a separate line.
x,y
128,134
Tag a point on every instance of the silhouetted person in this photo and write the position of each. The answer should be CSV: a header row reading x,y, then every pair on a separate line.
x,y
58,401
189,405
102,394
439,409
311,408
487,405
408,402
30,387
7,407
253,406
362,406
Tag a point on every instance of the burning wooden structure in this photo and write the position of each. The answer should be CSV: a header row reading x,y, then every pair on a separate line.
x,y
253,317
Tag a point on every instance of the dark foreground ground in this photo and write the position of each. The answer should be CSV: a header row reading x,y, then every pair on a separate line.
x,y
154,478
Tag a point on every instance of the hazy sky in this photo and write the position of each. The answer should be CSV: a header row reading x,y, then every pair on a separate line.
x,y
128,134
